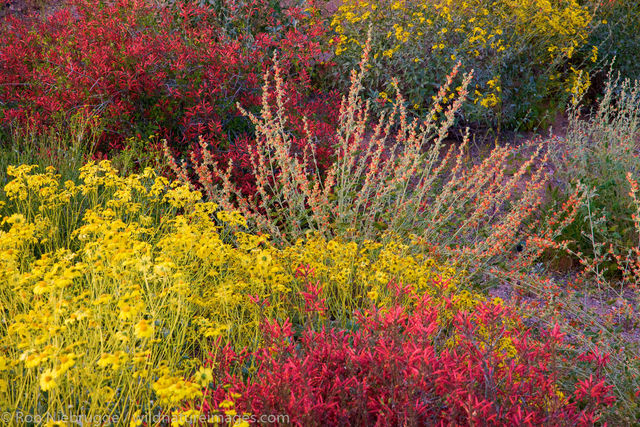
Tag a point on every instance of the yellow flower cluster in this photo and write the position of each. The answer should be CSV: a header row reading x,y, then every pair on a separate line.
x,y
112,289
92,312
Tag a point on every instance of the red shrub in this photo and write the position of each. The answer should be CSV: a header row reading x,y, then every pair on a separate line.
x,y
403,367
177,72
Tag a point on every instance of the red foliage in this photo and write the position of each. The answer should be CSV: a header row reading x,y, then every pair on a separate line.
x,y
177,73
395,368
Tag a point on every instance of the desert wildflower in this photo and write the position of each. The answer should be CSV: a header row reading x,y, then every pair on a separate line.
x,y
144,329
66,362
204,376
127,312
48,380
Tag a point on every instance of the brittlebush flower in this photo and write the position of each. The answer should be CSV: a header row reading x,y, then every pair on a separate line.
x,y
48,380
66,362
204,376
127,312
144,329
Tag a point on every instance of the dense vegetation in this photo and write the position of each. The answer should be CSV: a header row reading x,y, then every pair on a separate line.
x,y
320,213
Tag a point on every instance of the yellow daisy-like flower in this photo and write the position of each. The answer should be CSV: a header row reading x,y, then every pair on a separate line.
x,y
66,362
204,376
105,360
41,287
144,329
35,359
127,312
263,260
48,380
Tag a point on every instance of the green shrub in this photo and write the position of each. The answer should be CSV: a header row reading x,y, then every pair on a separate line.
x,y
617,36
598,152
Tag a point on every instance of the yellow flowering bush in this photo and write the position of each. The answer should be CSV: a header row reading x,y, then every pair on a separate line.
x,y
91,320
517,48
113,290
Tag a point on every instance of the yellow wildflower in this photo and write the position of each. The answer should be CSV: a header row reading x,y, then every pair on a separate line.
x,y
144,329
48,380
